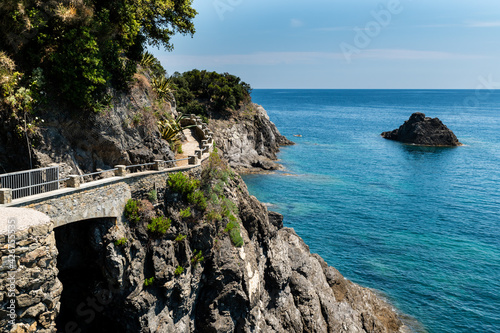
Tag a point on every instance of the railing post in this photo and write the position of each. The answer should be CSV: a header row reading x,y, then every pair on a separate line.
x,y
5,196
192,160
73,181
29,181
121,170
206,148
198,153
159,165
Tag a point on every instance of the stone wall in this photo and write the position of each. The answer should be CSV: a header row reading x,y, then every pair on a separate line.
x,y
29,290
101,198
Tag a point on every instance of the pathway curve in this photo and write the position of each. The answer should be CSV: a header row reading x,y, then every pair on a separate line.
x,y
188,147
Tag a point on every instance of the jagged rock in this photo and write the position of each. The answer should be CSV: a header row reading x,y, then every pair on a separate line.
x,y
422,130
126,133
248,139
271,284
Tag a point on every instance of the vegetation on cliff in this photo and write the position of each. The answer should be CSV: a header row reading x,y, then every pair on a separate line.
x,y
77,50
201,199
205,93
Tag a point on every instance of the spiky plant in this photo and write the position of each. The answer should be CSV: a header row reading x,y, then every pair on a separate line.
x,y
162,87
170,129
147,60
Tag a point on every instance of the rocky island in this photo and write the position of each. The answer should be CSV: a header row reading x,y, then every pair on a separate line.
x,y
422,130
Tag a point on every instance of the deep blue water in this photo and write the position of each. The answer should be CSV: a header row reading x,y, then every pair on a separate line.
x,y
421,225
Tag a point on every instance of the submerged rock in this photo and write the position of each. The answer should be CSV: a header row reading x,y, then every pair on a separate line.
x,y
422,130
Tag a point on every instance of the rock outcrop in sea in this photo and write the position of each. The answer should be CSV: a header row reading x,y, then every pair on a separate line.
x,y
422,130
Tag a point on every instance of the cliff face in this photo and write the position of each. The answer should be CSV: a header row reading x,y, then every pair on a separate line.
x,y
201,282
270,284
248,139
125,133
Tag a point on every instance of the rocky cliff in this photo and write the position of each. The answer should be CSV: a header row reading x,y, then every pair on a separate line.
x,y
194,279
119,276
124,133
422,130
248,139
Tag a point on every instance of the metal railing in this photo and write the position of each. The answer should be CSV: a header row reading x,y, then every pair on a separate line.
x,y
21,184
31,182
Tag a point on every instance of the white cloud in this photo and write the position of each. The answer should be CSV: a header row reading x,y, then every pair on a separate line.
x,y
341,28
402,54
305,58
467,24
296,23
490,24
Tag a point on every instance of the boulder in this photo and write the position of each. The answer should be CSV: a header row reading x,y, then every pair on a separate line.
x,y
422,130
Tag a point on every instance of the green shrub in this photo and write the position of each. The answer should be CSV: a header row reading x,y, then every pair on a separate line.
x,y
213,215
153,195
121,241
234,232
228,208
185,213
197,257
132,210
198,198
137,118
149,281
216,169
230,226
159,225
180,238
179,270
217,92
236,237
183,184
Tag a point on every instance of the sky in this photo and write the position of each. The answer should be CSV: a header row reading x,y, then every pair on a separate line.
x,y
345,44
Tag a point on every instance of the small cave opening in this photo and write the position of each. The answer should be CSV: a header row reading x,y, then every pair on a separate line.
x,y
86,298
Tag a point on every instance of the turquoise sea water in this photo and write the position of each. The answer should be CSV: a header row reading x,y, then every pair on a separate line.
x,y
422,225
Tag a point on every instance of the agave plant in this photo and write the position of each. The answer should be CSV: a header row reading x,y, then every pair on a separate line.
x,y
170,129
162,87
147,60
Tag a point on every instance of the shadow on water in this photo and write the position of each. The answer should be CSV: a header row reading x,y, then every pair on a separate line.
x,y
422,150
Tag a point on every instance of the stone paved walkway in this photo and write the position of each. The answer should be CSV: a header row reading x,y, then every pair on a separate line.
x,y
188,147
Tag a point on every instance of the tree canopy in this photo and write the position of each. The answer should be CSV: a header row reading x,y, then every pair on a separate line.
x,y
80,48
201,92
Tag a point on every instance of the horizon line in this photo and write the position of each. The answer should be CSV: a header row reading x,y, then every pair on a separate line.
x,y
374,89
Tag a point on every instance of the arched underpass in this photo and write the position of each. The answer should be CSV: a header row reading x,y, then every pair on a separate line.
x,y
87,301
